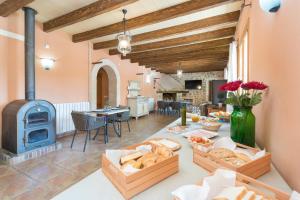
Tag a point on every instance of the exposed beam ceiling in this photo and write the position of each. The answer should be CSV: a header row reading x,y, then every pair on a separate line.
x,y
214,53
173,30
10,6
221,33
81,14
180,49
151,18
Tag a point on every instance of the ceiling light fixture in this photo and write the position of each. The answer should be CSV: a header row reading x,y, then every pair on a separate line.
x,y
179,71
124,46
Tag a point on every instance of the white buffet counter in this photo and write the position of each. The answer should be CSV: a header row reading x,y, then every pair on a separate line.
x,y
96,186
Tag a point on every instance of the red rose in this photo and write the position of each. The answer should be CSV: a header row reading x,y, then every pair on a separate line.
x,y
254,85
231,86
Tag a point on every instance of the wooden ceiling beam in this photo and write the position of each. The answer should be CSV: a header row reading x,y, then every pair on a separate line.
x,y
180,49
188,64
150,18
214,53
211,35
84,13
10,6
182,28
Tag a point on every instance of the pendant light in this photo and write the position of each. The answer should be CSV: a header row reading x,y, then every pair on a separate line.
x,y
179,71
124,46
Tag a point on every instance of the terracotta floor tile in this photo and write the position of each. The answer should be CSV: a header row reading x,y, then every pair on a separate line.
x,y
44,177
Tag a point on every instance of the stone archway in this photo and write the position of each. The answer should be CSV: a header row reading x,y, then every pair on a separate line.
x,y
114,83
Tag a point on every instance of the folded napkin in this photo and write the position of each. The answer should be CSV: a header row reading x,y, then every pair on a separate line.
x,y
295,196
211,186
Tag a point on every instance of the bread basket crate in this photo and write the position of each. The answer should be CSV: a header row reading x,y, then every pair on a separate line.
x,y
133,184
254,168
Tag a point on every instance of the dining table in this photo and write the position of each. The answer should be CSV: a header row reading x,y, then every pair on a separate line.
x,y
110,115
97,186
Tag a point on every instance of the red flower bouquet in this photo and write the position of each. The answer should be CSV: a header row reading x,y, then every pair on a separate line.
x,y
244,94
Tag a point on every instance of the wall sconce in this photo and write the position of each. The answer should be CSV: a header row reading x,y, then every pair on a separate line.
x,y
47,63
270,5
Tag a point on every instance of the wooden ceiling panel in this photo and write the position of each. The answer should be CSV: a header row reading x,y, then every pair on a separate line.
x,y
151,18
200,24
81,14
227,32
10,6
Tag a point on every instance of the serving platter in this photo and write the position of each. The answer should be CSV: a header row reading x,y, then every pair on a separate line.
x,y
200,133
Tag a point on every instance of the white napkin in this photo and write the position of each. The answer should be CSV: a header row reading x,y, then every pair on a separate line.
x,y
129,169
219,181
210,188
295,196
225,142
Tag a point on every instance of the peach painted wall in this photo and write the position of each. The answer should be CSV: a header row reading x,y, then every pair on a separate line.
x,y
128,72
68,81
274,59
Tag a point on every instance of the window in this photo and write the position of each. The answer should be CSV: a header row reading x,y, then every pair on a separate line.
x,y
243,57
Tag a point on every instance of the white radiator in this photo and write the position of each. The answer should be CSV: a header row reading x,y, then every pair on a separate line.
x,y
64,121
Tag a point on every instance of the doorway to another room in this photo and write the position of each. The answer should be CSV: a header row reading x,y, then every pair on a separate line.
x,y
102,88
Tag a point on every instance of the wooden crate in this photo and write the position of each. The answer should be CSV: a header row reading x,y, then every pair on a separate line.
x,y
131,185
254,169
259,188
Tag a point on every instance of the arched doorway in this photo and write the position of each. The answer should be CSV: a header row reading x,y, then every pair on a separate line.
x,y
102,88
114,83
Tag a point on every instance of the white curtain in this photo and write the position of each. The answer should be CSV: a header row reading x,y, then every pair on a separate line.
x,y
232,63
231,74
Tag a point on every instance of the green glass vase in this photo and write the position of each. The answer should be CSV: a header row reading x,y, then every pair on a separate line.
x,y
242,126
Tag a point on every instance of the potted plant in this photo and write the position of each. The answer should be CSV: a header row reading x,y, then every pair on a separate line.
x,y
243,96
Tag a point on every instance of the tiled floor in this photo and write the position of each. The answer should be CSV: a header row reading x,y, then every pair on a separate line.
x,y
44,177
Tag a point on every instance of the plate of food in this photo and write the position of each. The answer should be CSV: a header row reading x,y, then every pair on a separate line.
x,y
200,133
211,126
224,116
176,129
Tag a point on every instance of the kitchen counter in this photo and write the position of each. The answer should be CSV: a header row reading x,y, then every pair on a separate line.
x,y
96,186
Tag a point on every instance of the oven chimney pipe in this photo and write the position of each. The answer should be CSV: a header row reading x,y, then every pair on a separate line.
x,y
29,53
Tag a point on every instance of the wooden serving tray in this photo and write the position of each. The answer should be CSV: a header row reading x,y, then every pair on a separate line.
x,y
131,185
254,169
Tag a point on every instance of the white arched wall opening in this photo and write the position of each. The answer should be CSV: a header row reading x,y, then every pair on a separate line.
x,y
114,83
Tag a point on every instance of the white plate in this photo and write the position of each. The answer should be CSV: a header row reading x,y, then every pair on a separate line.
x,y
200,133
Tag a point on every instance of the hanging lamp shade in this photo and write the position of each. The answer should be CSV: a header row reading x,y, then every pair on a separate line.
x,y
124,46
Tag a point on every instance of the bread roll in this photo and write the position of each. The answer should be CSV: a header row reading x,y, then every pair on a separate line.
x,y
232,193
222,153
133,163
132,156
164,151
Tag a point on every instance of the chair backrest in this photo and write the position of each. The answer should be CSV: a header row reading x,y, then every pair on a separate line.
x,y
84,122
80,120
123,116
